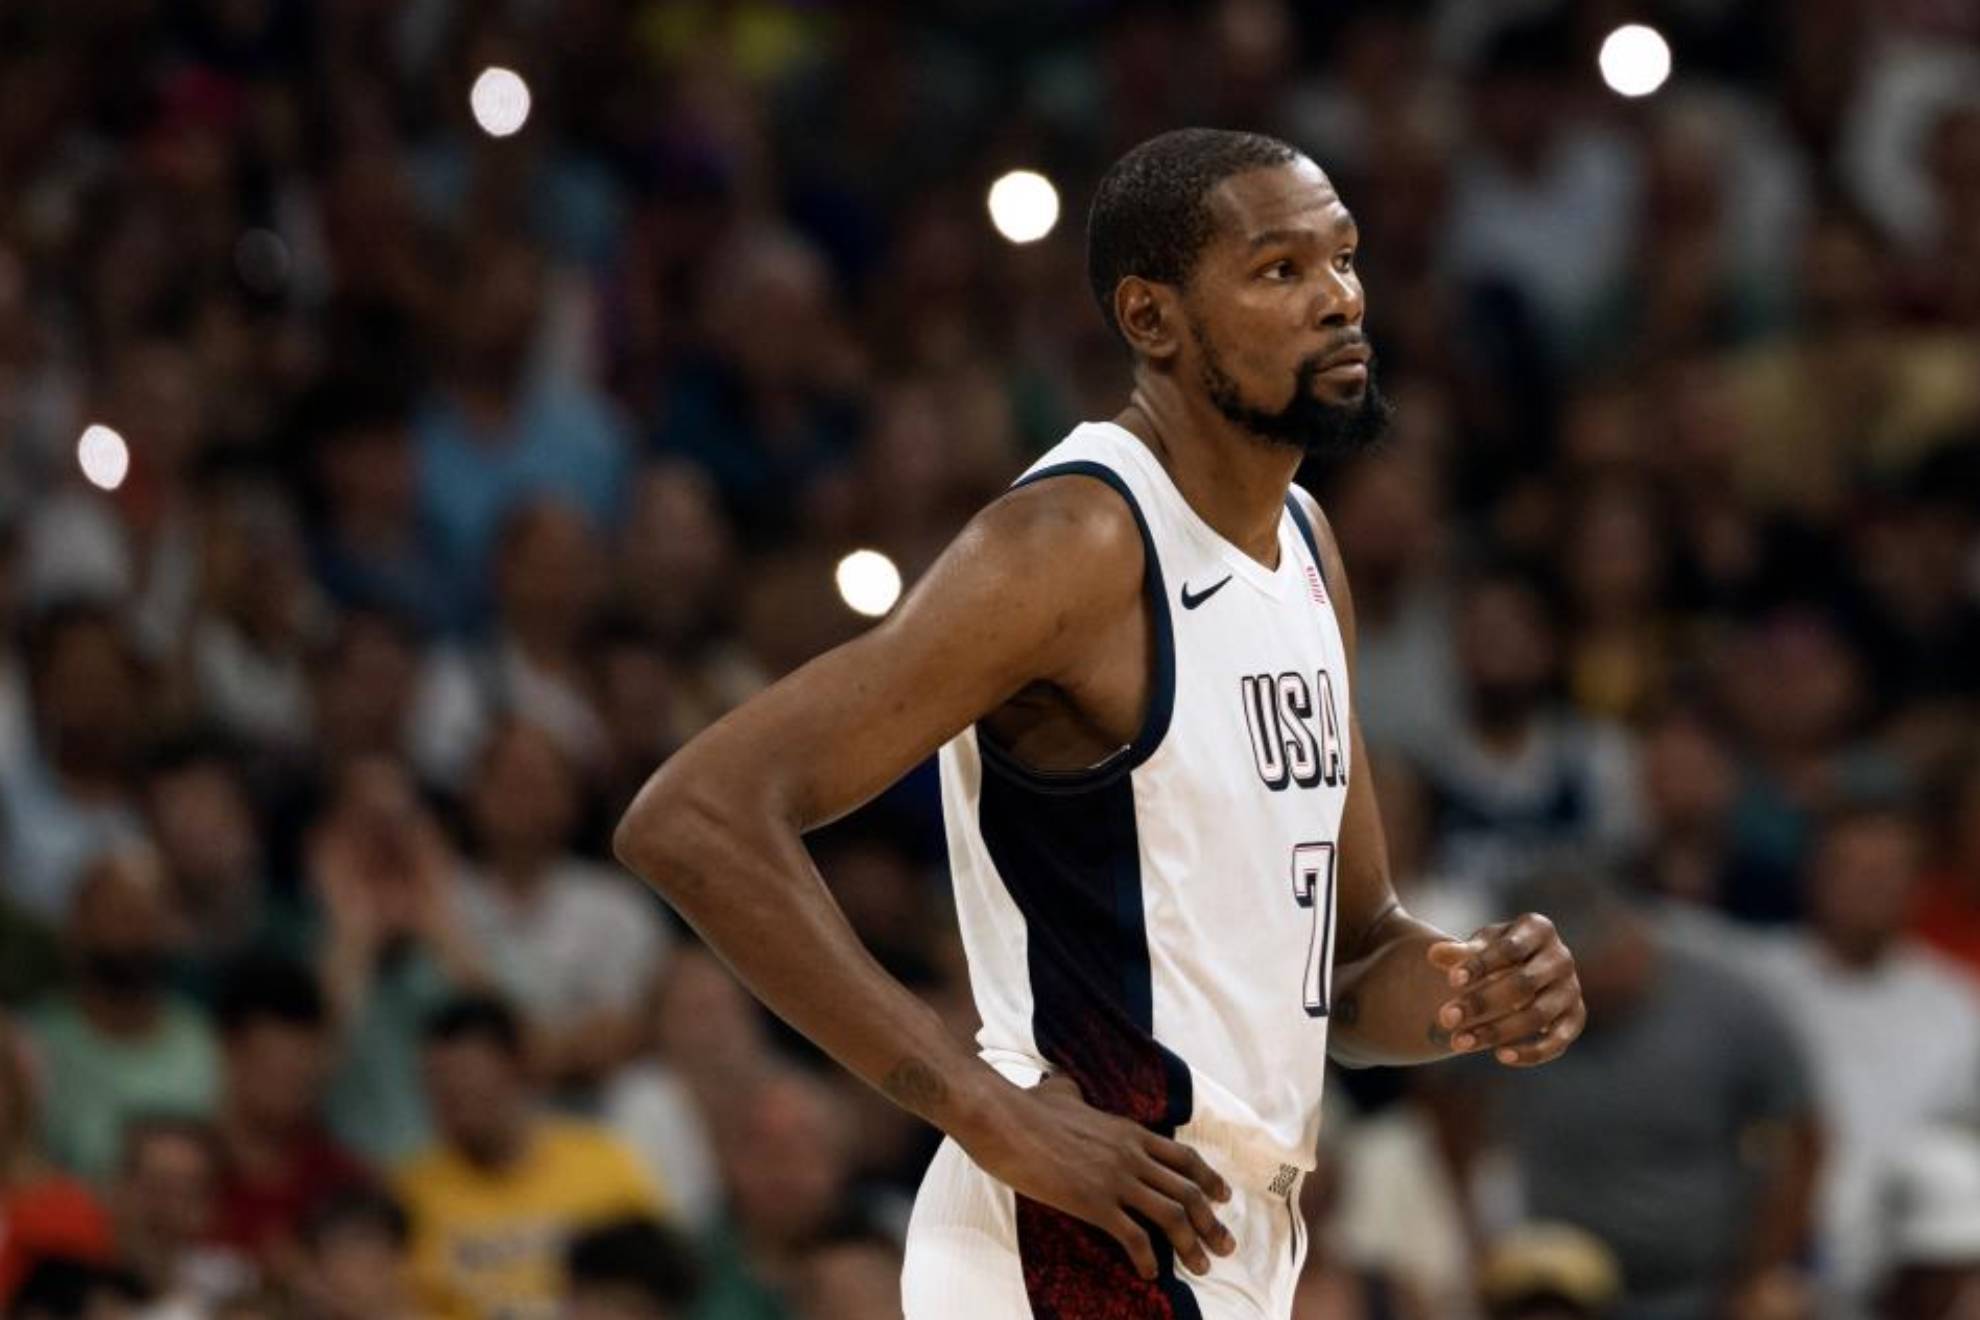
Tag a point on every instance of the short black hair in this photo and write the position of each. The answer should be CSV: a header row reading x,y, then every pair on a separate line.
x,y
360,1207
636,1253
476,1017
266,987
1151,213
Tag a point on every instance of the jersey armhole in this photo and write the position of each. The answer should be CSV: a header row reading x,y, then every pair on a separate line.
x,y
1162,667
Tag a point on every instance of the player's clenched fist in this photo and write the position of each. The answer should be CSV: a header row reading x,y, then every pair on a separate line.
x,y
1050,1145
1518,995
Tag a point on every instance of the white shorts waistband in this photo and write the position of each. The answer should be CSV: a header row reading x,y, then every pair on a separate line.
x,y
1238,1151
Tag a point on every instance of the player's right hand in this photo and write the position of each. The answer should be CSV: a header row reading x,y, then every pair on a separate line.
x,y
1050,1145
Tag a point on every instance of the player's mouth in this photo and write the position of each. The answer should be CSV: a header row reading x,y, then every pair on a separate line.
x,y
1349,366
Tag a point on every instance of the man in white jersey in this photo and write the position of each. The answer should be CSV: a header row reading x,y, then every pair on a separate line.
x,y
1169,868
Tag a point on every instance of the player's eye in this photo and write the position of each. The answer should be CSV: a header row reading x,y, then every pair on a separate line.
x,y
1282,269
1344,261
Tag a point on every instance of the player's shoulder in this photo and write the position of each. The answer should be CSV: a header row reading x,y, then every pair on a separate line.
x,y
1079,506
1074,529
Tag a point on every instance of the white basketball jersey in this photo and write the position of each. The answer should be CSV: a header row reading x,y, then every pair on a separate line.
x,y
1161,927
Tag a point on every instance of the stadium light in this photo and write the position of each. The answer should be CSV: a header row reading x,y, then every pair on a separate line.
x,y
1635,60
104,457
868,583
500,101
1024,206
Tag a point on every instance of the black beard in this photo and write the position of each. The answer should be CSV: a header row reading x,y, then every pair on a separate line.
x,y
1307,423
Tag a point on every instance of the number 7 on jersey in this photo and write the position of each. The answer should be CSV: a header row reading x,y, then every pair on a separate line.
x,y
1313,887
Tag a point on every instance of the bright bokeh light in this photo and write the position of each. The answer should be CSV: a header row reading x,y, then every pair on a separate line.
x,y
500,101
104,457
869,583
1635,60
1024,206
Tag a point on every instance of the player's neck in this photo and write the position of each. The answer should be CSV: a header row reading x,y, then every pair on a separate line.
x,y
1235,482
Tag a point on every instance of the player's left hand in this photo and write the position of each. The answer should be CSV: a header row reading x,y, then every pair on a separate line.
x,y
1520,995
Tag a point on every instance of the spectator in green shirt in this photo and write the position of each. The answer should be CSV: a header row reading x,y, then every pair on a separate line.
x,y
393,947
116,1043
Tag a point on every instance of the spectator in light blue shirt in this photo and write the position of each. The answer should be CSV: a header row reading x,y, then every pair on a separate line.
x,y
67,792
498,432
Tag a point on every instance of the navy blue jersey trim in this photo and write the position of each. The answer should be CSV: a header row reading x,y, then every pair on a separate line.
x,y
1073,868
1182,1298
1305,525
1162,685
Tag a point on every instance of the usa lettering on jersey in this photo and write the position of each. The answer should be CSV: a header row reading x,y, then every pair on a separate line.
x,y
1295,732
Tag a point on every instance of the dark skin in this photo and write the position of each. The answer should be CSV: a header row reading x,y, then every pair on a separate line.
x,y
1055,667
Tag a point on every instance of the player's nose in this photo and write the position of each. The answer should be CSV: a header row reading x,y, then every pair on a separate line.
x,y
1340,303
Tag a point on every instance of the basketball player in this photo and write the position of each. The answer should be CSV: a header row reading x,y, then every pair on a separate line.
x,y
1168,866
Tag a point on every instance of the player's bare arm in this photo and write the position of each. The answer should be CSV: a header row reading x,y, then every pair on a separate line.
x,y
1406,992
1033,596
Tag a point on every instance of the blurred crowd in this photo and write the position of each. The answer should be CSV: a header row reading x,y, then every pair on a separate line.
x,y
469,476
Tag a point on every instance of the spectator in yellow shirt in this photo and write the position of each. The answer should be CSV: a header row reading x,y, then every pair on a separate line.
x,y
495,1202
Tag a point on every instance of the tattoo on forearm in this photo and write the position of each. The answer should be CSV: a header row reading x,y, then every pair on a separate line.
x,y
915,1086
1346,1011
1439,1037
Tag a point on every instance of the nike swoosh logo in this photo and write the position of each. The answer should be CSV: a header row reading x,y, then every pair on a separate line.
x,y
1192,600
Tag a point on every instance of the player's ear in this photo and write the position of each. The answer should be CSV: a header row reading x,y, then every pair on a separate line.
x,y
1150,317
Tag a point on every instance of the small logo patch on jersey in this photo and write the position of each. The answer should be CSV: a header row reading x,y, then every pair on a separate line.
x,y
1192,600
1313,587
